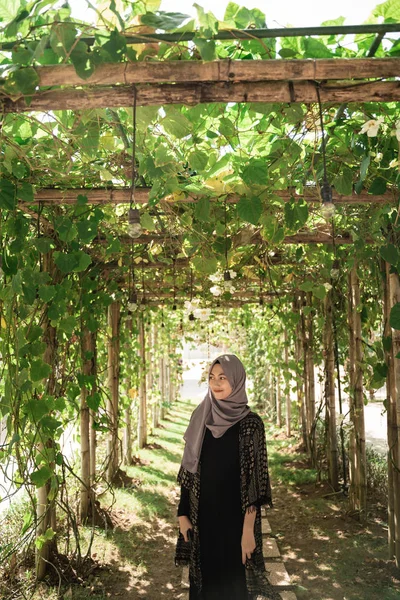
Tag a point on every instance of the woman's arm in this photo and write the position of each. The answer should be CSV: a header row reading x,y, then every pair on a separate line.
x,y
248,539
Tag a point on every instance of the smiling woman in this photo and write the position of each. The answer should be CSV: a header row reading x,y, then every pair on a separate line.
x,y
224,482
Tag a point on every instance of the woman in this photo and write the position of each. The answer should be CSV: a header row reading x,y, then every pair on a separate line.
x,y
224,482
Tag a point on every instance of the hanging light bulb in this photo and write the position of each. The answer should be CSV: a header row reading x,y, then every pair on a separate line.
x,y
134,226
132,302
328,207
227,275
192,317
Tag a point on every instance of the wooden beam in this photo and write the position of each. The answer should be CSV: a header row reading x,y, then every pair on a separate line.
x,y
50,196
196,93
225,70
306,237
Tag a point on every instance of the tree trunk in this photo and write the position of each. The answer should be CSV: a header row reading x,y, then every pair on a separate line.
x,y
156,406
311,381
300,379
358,482
88,370
288,402
113,386
390,415
142,421
45,510
162,385
127,439
278,398
332,449
394,287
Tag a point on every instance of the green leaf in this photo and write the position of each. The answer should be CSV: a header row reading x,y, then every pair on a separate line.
x,y
394,319
319,291
36,409
306,286
387,342
87,230
164,20
8,196
296,214
198,160
315,49
40,477
82,60
390,254
65,262
207,48
208,22
43,244
116,46
202,209
249,209
207,264
66,230
256,172
93,401
62,38
33,333
25,191
176,124
218,167
364,166
26,80
8,10
50,423
287,53
147,222
83,261
40,370
343,183
378,186
68,324
389,10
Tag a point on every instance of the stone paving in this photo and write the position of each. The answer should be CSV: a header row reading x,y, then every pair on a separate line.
x,y
277,574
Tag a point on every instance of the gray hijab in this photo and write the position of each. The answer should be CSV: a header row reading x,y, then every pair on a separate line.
x,y
217,415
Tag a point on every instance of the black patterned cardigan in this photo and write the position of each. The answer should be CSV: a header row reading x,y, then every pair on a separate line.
x,y
255,491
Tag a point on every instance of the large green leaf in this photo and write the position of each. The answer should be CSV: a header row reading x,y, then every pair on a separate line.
x,y
390,253
62,38
202,209
255,172
296,214
378,186
394,319
206,264
66,230
116,46
343,183
41,476
164,20
8,194
40,370
315,49
207,48
249,209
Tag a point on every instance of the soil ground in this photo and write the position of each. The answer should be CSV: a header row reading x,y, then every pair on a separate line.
x,y
328,554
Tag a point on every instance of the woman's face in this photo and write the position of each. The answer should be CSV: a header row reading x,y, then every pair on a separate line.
x,y
219,383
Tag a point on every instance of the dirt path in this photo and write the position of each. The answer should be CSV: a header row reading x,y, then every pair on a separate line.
x,y
327,555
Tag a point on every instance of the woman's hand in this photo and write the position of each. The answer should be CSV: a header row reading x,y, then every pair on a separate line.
x,y
248,544
184,525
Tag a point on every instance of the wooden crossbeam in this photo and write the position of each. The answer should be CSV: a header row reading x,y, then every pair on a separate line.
x,y
308,237
50,196
226,70
196,93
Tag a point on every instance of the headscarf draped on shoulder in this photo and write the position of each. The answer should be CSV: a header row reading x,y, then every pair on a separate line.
x,y
217,415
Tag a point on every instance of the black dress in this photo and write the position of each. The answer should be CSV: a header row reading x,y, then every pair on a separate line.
x,y
220,519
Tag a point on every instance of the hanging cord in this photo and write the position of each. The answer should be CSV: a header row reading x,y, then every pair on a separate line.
x,y
226,274
337,364
326,189
134,171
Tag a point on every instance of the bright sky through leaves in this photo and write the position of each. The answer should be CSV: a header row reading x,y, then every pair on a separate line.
x,y
278,14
